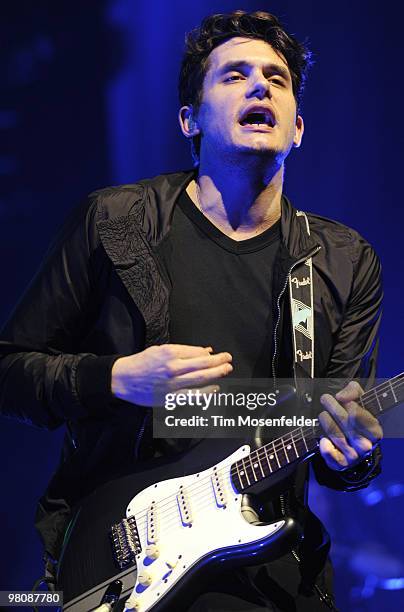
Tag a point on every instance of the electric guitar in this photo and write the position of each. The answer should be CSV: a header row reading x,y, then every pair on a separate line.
x,y
150,538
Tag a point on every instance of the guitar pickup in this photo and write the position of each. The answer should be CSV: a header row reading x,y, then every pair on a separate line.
x,y
184,507
125,542
152,524
218,488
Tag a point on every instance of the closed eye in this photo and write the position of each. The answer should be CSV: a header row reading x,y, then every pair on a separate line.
x,y
233,77
277,81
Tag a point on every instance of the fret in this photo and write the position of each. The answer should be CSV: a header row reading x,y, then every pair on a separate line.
x,y
312,439
280,453
253,466
266,456
386,394
257,452
238,474
300,442
302,446
272,457
392,390
378,401
385,398
245,472
249,469
284,450
399,387
294,446
370,404
275,454
397,383
290,447
304,439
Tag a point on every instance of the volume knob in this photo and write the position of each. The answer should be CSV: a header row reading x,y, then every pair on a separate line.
x,y
132,603
152,552
171,562
144,578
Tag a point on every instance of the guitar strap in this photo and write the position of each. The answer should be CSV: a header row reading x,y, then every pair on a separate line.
x,y
302,310
301,294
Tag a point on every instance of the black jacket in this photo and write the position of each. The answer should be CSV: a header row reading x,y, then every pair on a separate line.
x,y
101,293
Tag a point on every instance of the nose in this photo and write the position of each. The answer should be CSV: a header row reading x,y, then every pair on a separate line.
x,y
259,86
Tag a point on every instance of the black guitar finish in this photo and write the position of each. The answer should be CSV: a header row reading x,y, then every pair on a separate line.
x,y
87,565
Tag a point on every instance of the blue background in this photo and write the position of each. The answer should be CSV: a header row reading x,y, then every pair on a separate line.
x,y
89,99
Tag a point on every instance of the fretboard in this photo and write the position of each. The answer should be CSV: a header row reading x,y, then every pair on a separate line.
x,y
384,396
264,461
301,443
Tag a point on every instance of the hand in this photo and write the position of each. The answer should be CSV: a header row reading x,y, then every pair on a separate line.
x,y
146,377
350,429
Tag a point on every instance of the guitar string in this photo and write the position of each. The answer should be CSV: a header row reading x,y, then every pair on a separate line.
x,y
168,521
260,454
168,524
204,498
201,482
376,391
205,484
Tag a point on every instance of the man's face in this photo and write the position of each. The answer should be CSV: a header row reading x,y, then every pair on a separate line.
x,y
248,104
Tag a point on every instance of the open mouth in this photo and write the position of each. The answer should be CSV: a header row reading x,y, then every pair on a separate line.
x,y
258,119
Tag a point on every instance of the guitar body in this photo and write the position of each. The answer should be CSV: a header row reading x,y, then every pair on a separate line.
x,y
187,522
174,522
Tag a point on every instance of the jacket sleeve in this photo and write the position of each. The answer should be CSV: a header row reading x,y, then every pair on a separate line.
x,y
354,355
44,379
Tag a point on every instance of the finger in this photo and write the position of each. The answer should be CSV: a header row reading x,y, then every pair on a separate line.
x,y
201,377
352,391
185,351
337,437
361,444
363,423
332,456
159,397
338,412
206,390
360,436
177,367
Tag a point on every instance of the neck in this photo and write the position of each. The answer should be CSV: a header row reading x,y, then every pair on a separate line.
x,y
241,202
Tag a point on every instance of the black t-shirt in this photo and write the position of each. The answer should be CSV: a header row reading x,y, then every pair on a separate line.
x,y
221,289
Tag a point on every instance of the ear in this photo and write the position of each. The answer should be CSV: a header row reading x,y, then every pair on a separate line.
x,y
299,131
187,121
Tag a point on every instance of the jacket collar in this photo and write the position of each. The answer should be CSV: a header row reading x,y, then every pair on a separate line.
x,y
163,192
295,235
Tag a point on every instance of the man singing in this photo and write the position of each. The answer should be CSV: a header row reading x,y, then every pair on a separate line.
x,y
176,281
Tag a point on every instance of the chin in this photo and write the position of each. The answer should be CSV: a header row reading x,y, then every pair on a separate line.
x,y
262,150
261,143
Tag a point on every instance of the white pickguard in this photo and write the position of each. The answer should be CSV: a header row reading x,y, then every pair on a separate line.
x,y
179,546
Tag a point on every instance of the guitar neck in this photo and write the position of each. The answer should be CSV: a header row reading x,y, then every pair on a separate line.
x,y
301,443
384,396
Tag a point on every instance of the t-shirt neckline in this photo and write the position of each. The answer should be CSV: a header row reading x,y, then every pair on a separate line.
x,y
249,245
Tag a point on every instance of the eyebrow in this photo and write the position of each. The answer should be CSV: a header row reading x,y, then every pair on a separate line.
x,y
271,68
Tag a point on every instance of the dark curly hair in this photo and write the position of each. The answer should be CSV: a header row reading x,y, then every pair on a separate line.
x,y
216,29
